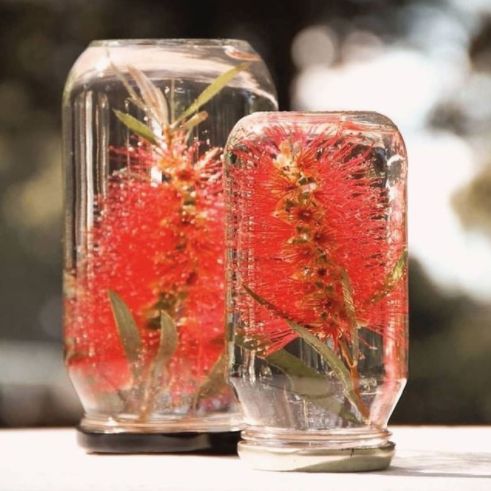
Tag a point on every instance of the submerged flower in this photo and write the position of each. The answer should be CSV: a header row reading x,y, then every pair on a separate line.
x,y
160,247
319,245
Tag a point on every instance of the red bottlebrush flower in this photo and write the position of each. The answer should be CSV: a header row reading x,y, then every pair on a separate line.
x,y
316,233
159,245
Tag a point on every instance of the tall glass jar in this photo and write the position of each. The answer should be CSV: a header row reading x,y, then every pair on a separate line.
x,y
145,122
317,287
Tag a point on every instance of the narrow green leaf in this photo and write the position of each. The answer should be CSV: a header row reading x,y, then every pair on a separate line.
x,y
168,338
331,358
127,328
167,347
213,383
399,268
136,126
336,364
349,306
195,120
137,101
153,97
262,301
291,364
213,89
304,381
392,278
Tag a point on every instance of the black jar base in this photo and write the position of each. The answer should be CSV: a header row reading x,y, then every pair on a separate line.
x,y
219,443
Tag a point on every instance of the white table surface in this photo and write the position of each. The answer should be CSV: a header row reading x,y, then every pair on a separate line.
x,y
427,459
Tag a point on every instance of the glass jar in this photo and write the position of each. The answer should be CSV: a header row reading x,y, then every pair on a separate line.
x,y
317,287
145,122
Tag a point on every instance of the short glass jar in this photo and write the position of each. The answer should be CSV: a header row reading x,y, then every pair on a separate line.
x,y
317,286
144,125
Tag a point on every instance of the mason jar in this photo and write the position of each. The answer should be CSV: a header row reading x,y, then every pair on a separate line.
x,y
317,286
144,125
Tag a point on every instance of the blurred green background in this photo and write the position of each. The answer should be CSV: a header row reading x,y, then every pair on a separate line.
x,y
426,64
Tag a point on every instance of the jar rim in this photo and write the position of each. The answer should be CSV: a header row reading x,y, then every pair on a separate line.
x,y
204,42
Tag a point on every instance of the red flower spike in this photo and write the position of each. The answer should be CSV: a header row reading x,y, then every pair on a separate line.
x,y
320,237
158,245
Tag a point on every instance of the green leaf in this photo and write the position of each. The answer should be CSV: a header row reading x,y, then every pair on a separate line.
x,y
214,382
304,381
212,90
168,338
392,278
153,98
137,101
195,120
127,328
167,347
137,126
330,357
291,364
349,307
335,363
399,269
262,301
